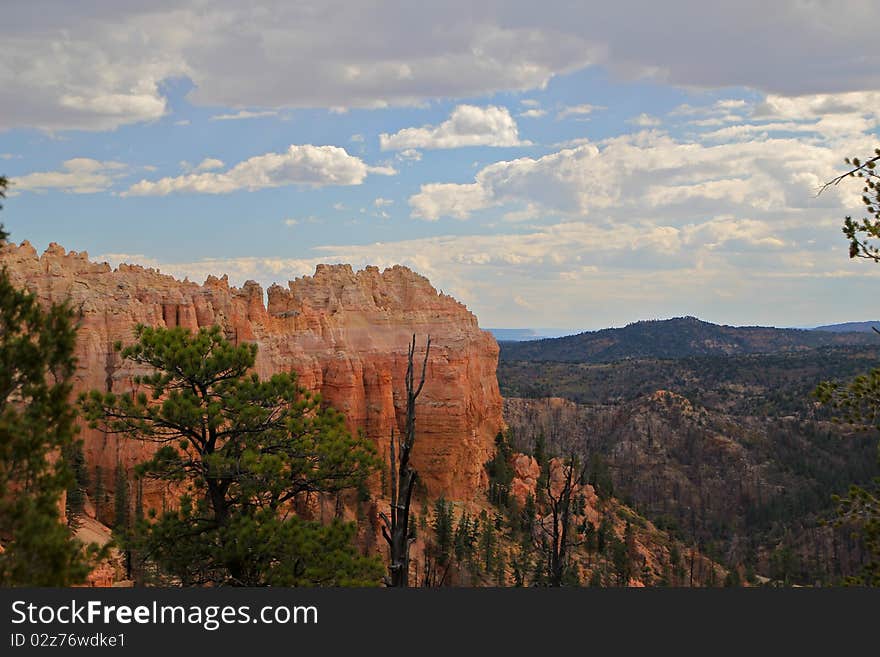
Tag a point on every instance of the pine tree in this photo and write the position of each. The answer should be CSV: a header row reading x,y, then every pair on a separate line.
x,y
488,542
100,491
444,531
76,489
528,515
500,570
246,452
36,429
621,560
500,472
540,450
121,513
464,539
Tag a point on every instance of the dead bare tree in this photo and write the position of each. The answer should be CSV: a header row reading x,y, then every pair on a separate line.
x,y
396,530
558,524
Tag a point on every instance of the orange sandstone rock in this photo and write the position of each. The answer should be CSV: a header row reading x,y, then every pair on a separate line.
x,y
345,333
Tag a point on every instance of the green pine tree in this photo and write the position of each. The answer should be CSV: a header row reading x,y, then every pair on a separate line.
x,y
500,472
444,531
247,453
76,489
488,542
36,427
121,509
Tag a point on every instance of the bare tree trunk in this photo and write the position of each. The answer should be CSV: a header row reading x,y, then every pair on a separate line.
x,y
396,530
561,511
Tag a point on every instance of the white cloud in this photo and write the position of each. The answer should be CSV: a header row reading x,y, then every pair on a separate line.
x,y
719,113
533,113
357,137
644,120
731,231
304,164
814,106
80,175
530,211
647,172
436,200
577,110
383,202
291,222
89,66
209,163
468,125
409,155
571,143
530,102
632,270
244,114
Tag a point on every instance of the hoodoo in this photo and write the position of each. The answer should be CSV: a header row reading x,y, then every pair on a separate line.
x,y
344,332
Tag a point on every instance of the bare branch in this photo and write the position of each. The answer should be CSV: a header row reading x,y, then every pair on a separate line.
x,y
836,181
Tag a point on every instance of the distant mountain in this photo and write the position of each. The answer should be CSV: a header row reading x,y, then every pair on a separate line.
x,y
851,327
680,337
514,335
523,334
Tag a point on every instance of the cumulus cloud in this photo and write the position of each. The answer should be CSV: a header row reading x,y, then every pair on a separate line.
x,y
468,125
209,163
534,113
308,165
91,66
80,175
436,200
647,172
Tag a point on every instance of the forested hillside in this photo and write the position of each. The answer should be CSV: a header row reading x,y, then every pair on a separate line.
x,y
680,337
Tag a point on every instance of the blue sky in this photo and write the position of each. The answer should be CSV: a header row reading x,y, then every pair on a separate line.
x,y
550,166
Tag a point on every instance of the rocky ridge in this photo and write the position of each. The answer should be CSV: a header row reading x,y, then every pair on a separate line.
x,y
345,334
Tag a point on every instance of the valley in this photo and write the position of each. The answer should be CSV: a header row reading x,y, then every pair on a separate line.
x,y
730,452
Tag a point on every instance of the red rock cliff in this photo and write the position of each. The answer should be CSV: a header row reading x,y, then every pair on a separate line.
x,y
345,333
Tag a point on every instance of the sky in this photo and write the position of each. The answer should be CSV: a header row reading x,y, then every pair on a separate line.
x,y
569,164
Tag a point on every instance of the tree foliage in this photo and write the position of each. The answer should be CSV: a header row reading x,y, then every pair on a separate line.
x,y
863,233
500,471
859,400
36,427
247,454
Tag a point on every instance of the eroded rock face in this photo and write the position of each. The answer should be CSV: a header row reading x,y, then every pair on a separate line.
x,y
526,473
345,333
